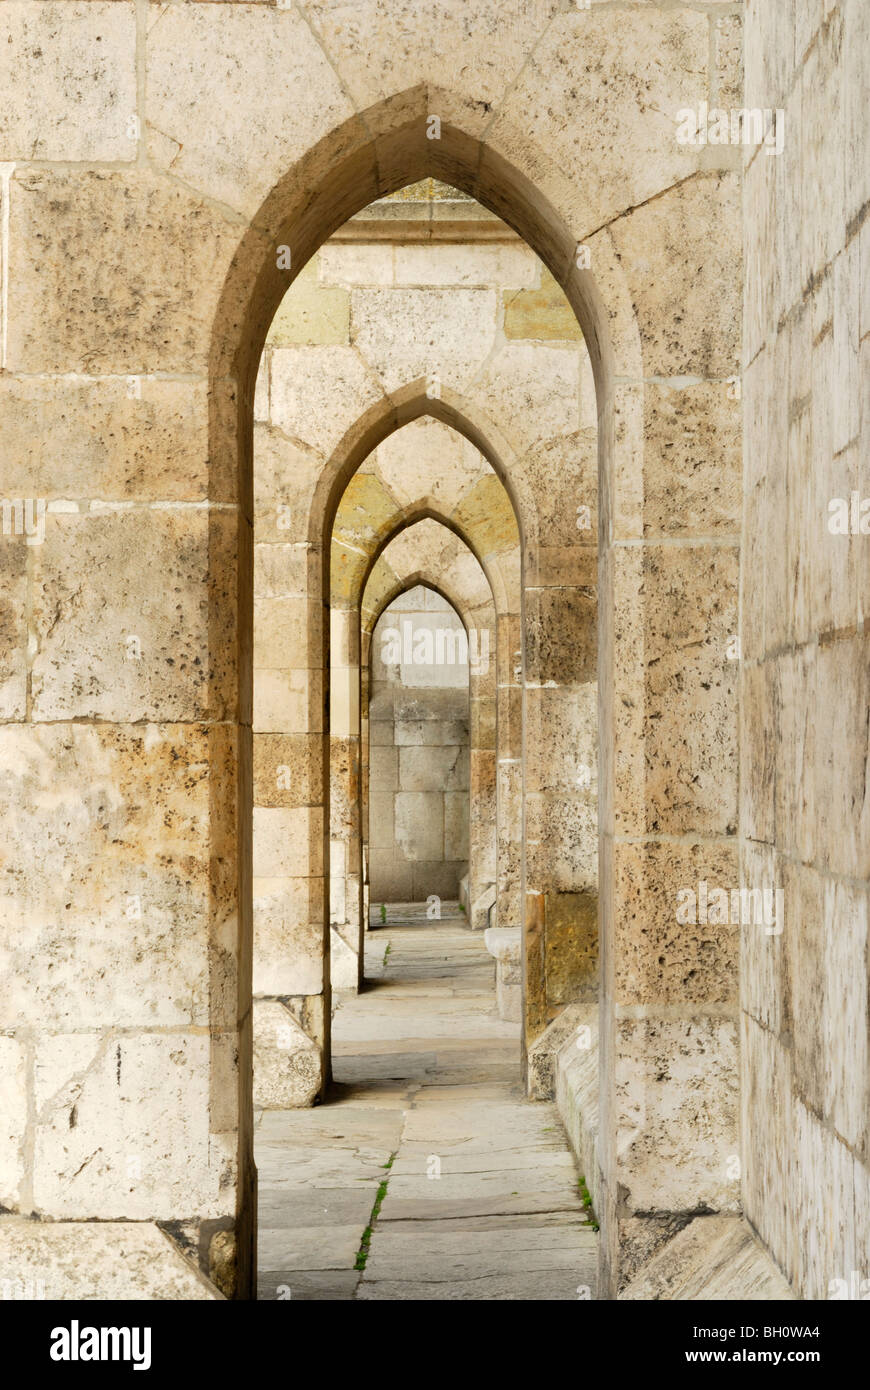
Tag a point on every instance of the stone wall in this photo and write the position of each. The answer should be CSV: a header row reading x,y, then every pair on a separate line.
x,y
805,813
418,753
145,231
427,266
428,549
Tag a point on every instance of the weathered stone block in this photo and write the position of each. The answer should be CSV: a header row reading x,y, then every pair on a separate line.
x,y
120,647
287,1064
125,1127
81,59
164,255
135,905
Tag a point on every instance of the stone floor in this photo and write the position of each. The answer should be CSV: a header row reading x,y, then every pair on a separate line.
x,y
479,1191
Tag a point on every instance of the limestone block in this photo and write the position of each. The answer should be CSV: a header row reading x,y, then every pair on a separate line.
x,y
691,686
118,646
353,263
532,390
456,806
573,459
13,1109
201,72
676,1078
544,1050
561,635
764,954
344,638
284,570
288,936
343,965
381,732
511,265
383,768
312,312
319,392
482,909
682,256
439,877
483,727
433,769
109,438
562,841
287,699
571,946
692,460
657,959
856,69
823,150
577,1085
795,795
409,334
135,904
759,698
842,683
13,622
337,885
632,82
288,769
81,58
825,934
287,1063
285,477
164,254
622,500
713,1258
344,811
126,1127
422,733
485,513
540,314
787,231
427,457
365,512
94,1261
288,841
390,878
288,632
760,192
846,402
344,694
729,61
509,722
381,52
419,824
562,736
505,945
381,832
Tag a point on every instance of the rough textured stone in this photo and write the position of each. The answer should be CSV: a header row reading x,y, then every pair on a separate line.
x,y
287,1067
714,1258
79,1261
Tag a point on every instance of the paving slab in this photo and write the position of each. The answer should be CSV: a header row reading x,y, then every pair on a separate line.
x,y
482,1199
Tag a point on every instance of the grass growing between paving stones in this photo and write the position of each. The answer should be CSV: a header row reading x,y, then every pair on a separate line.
x,y
365,1244
586,1199
383,912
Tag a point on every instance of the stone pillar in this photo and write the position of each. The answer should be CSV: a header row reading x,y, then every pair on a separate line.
x,y
291,993
346,934
669,535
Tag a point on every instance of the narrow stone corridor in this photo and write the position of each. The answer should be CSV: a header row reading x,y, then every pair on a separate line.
x,y
479,1192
